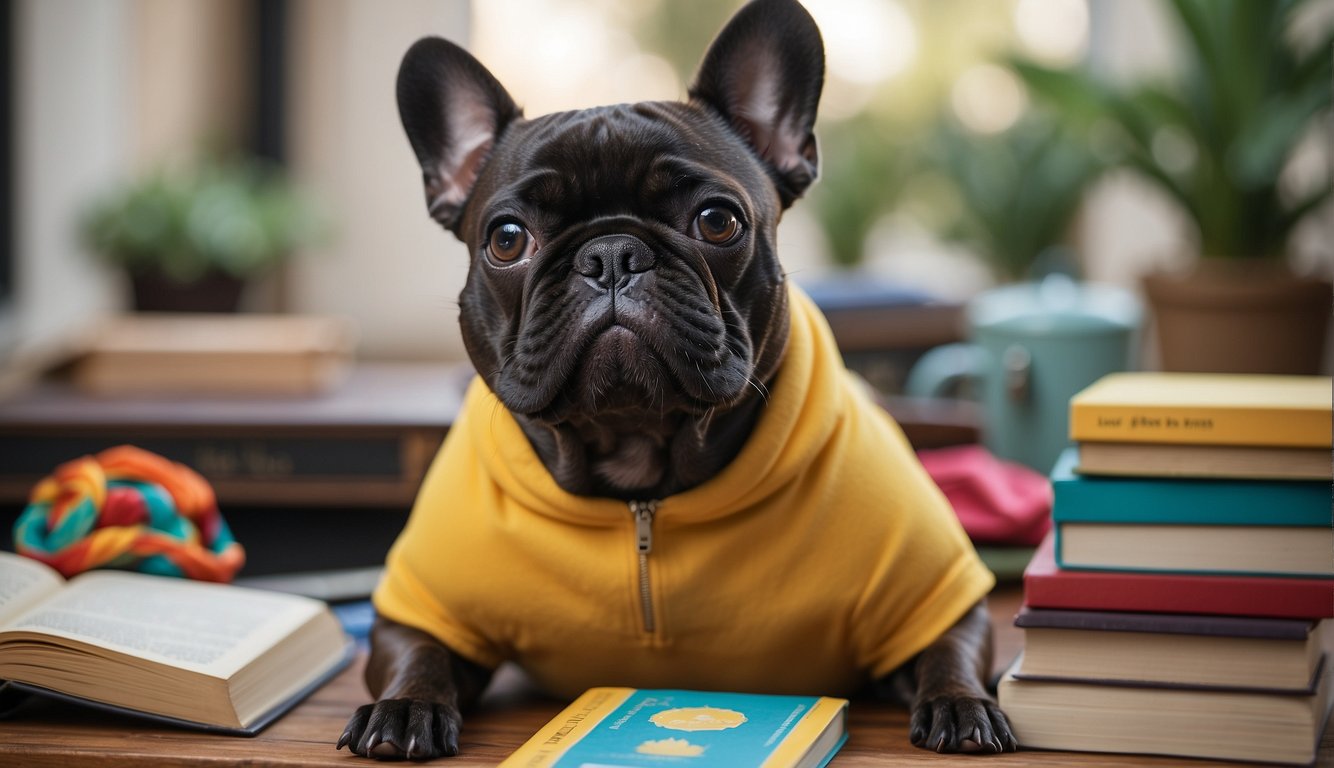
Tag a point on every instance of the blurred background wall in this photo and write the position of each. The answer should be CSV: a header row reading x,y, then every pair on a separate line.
x,y
68,119
388,265
101,92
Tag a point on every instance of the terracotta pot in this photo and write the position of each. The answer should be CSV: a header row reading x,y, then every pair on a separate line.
x,y
1240,317
214,292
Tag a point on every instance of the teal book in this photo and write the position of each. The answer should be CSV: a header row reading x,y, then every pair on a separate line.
x,y
1103,499
1221,527
629,728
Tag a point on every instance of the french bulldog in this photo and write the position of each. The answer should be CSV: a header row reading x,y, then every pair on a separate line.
x,y
626,306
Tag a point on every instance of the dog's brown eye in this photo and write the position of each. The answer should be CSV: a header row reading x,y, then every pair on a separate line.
x,y
508,241
717,225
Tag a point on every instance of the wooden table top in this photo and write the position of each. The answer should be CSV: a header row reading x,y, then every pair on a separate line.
x,y
50,733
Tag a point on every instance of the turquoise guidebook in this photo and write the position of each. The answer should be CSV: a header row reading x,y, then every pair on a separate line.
x,y
630,728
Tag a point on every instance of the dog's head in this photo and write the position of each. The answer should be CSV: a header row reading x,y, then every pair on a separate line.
x,y
623,270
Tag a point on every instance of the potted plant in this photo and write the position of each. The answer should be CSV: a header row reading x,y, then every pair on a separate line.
x,y
1216,140
1018,189
866,163
190,240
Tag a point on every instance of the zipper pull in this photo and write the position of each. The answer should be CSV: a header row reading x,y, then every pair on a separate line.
x,y
644,511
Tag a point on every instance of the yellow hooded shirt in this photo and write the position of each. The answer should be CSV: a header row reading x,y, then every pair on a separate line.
x,y
823,555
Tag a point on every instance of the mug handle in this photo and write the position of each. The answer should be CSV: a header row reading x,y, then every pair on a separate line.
x,y
940,371
1018,364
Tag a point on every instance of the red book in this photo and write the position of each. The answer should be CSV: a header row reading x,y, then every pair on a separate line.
x,y
1046,586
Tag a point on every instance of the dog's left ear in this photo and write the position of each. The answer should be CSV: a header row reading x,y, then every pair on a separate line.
x,y
764,73
454,111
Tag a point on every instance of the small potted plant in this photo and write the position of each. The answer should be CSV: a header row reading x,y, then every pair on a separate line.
x,y
1217,140
1019,191
865,166
192,239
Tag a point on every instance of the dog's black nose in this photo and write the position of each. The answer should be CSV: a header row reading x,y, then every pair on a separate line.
x,y
612,259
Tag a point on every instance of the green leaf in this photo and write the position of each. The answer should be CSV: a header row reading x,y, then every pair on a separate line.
x,y
1075,95
231,215
1266,140
1293,216
1315,68
1244,97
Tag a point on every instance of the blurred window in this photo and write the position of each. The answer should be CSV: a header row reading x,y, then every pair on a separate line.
x,y
270,78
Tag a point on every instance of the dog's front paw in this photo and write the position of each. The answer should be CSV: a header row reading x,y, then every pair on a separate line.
x,y
394,729
961,724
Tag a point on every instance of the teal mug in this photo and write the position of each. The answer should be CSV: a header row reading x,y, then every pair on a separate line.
x,y
1031,347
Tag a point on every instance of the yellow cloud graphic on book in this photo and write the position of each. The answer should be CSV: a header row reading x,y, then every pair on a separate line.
x,y
670,747
698,719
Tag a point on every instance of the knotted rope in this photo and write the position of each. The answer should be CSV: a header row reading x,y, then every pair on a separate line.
x,y
130,509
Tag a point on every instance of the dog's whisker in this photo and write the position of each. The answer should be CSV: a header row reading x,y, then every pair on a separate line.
x,y
758,387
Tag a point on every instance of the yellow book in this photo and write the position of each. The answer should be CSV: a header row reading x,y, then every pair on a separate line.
x,y
1204,409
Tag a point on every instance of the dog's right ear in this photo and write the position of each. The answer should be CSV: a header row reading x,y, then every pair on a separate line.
x,y
453,110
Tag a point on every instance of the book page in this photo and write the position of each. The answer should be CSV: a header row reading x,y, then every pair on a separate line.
x,y
23,583
210,628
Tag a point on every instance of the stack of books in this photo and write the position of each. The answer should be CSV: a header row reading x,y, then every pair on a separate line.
x,y
1184,603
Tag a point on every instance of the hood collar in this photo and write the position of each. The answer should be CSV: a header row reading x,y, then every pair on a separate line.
x,y
804,406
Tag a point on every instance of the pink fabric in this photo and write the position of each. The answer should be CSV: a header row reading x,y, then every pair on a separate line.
x,y
998,502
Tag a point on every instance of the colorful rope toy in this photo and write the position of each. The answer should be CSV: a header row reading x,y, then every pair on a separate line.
x,y
130,509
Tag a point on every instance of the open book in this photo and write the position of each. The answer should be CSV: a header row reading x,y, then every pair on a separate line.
x,y
203,655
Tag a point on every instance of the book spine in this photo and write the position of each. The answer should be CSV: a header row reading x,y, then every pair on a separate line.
x,y
250,467
1165,623
795,746
1190,502
1265,566
1292,598
1292,427
562,732
1090,717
